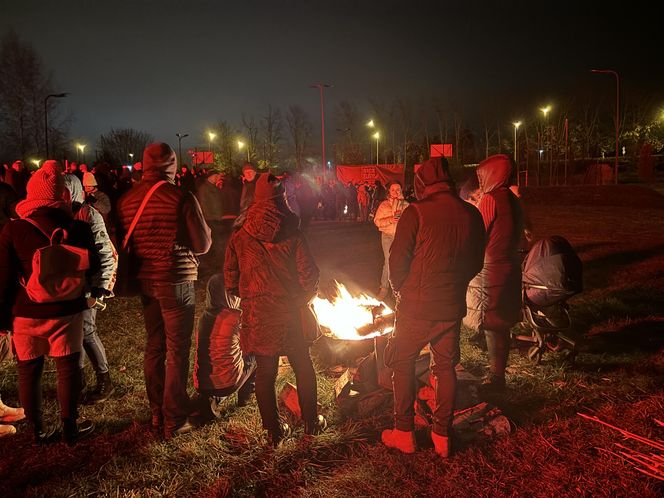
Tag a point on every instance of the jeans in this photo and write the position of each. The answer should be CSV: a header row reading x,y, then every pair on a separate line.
x,y
386,241
169,323
94,349
305,377
409,337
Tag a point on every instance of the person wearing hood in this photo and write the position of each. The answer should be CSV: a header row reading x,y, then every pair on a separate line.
x,y
438,248
494,296
45,328
249,178
220,368
101,288
169,234
269,266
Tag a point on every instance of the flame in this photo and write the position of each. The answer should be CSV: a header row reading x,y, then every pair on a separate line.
x,y
346,313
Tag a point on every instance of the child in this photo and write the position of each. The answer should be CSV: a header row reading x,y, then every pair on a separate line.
x,y
220,368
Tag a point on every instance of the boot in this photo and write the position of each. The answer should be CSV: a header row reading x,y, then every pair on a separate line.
x,y
10,414
404,441
316,427
275,438
76,431
43,436
441,444
103,390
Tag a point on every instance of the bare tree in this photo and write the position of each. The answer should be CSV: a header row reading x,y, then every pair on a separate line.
x,y
226,142
116,145
251,128
300,129
271,135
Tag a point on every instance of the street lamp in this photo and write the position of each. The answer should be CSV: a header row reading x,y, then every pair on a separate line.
x,y
516,125
131,157
320,87
370,123
545,111
614,73
80,147
211,137
36,162
240,146
377,137
57,96
180,137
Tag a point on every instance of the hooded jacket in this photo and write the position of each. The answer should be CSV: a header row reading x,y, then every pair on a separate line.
x,y
269,266
494,296
438,248
171,231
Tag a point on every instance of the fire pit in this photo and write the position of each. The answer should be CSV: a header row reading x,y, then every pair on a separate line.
x,y
348,323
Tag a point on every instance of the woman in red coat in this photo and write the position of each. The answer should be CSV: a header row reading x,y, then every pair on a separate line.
x,y
494,295
269,266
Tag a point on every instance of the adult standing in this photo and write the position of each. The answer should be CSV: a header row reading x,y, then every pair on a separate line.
x,y
269,266
438,248
494,296
8,200
169,234
249,177
386,219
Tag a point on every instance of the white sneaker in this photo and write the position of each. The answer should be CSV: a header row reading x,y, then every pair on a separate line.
x,y
441,444
404,441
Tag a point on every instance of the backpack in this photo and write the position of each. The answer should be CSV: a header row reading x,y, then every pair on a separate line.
x,y
58,269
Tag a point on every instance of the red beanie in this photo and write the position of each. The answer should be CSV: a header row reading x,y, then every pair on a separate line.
x,y
47,184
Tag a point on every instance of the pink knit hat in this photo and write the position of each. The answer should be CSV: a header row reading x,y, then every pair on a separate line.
x,y
46,188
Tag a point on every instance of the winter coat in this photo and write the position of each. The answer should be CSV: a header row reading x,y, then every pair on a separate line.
x,y
171,230
268,264
494,296
209,197
8,200
18,242
438,248
218,363
384,217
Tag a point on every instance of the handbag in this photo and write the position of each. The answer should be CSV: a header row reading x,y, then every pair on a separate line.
x,y
310,328
126,284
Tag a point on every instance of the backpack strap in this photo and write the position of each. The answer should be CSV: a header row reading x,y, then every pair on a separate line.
x,y
138,214
38,227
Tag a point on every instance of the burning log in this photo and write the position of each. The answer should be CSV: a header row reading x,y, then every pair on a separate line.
x,y
380,325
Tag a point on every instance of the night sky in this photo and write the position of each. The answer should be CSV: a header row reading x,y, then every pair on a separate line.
x,y
180,66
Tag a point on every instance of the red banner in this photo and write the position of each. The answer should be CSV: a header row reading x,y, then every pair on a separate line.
x,y
370,173
200,157
441,150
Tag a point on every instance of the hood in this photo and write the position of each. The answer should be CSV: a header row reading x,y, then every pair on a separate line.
x,y
75,188
432,171
159,162
217,298
494,172
271,220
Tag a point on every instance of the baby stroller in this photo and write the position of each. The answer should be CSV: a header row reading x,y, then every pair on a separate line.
x,y
552,273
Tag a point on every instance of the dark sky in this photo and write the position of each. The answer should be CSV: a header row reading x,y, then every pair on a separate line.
x,y
167,66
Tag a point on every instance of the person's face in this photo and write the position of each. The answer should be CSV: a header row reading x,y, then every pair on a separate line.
x,y
249,175
89,190
395,191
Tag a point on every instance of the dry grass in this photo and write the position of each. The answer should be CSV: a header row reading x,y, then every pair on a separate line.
x,y
618,376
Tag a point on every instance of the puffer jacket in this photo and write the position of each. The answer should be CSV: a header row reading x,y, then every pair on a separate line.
x,y
494,296
437,249
218,362
384,218
171,230
269,265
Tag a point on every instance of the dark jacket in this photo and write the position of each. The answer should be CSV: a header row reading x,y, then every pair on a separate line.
x,y
268,264
171,230
8,200
437,249
18,242
494,296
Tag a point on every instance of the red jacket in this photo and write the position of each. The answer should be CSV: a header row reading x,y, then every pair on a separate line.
x,y
268,264
437,249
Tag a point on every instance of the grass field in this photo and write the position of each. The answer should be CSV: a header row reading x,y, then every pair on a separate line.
x,y
618,376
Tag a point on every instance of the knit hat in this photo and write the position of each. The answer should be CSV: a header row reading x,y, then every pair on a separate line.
x,y
268,187
89,180
159,161
46,188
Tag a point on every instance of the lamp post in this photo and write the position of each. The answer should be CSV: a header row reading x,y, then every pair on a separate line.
x,y
370,124
545,111
240,146
80,147
211,137
131,157
57,96
180,137
516,125
614,73
377,137
320,87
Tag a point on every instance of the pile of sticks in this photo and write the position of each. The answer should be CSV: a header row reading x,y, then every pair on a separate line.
x,y
650,464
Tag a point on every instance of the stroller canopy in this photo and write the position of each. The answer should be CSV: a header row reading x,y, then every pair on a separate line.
x,y
552,272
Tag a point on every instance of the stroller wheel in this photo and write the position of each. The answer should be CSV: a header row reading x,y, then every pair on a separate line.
x,y
535,354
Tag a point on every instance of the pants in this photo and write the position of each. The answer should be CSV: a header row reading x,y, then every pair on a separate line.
x,y
169,323
386,241
94,349
409,337
244,387
30,387
266,375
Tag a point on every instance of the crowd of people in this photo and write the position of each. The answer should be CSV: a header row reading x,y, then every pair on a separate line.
x,y
447,258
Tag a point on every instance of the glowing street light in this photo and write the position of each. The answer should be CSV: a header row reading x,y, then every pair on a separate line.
x,y
211,137
80,148
516,125
371,124
240,146
131,157
36,162
377,137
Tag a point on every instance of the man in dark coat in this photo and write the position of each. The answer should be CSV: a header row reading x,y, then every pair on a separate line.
x,y
438,248
494,296
168,236
269,266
